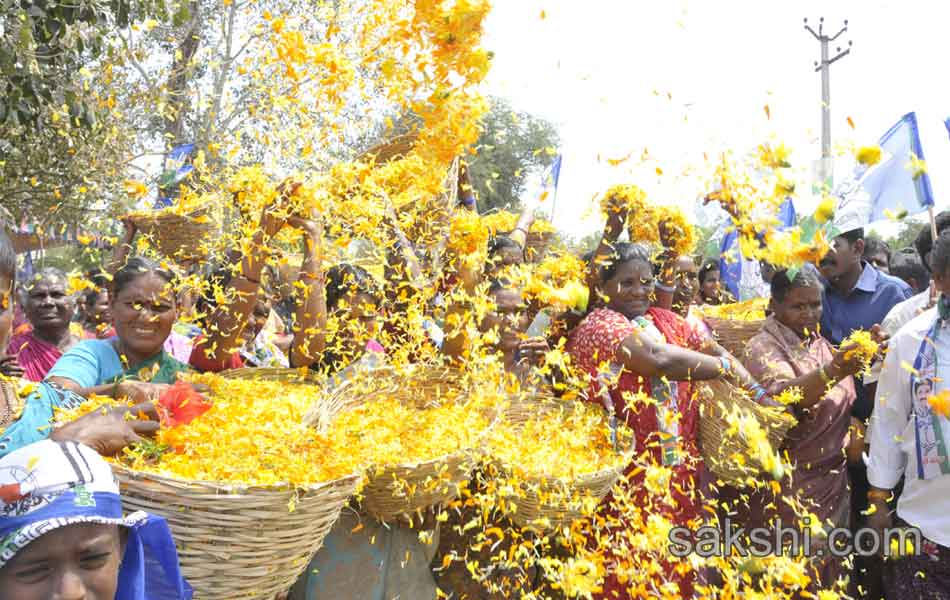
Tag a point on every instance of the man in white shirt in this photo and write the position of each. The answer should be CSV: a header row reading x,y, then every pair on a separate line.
x,y
910,436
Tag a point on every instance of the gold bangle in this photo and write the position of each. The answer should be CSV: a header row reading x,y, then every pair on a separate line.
x,y
824,375
884,495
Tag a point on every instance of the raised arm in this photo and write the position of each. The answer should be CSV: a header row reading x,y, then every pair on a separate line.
x,y
520,232
616,220
228,321
122,250
311,317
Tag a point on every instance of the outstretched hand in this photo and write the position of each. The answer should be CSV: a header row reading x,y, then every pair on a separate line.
x,y
108,432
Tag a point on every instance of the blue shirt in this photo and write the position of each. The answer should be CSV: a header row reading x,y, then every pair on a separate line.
x,y
89,363
866,305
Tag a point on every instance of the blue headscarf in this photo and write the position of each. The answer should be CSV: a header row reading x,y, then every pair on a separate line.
x,y
48,485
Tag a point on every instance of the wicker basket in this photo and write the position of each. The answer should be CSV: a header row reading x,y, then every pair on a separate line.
x,y
177,236
10,404
239,542
395,491
536,245
733,335
537,504
718,400
397,147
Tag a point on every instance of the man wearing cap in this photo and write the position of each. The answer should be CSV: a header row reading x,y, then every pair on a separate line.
x,y
63,534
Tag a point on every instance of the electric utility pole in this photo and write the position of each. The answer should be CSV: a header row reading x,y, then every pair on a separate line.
x,y
824,66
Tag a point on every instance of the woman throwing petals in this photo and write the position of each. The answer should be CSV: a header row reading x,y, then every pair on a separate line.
x,y
628,347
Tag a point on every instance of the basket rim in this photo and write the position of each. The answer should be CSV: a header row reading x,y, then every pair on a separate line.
x,y
164,213
232,488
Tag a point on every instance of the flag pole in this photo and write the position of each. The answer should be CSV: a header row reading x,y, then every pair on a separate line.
x,y
933,223
933,236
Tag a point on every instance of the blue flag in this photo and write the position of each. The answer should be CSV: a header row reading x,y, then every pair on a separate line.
x,y
549,180
891,184
734,269
177,169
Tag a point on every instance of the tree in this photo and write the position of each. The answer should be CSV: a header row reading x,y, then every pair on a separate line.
x,y
58,143
511,145
908,233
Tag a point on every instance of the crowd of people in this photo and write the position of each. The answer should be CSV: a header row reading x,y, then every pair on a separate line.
x,y
868,449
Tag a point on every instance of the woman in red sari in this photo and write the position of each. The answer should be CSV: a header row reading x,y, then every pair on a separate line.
x,y
49,309
625,347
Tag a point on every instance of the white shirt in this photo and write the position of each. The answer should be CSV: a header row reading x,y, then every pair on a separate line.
x,y
923,503
902,314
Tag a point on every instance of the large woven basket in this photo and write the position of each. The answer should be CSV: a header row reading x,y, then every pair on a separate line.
x,y
547,503
395,491
177,236
733,334
239,542
721,451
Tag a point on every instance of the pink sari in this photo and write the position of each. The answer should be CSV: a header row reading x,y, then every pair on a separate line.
x,y
34,355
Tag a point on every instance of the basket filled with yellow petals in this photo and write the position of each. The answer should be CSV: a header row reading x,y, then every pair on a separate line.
x,y
248,490
181,231
419,431
740,439
555,460
733,325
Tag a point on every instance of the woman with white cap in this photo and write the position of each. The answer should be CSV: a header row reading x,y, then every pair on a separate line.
x,y
63,534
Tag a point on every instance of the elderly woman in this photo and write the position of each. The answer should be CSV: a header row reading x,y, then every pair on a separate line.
x,y
788,352
628,347
49,308
64,534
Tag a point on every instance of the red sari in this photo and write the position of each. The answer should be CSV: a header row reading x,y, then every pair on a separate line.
x,y
594,342
34,355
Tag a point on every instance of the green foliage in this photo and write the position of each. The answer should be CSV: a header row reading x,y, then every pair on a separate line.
x,y
907,234
512,145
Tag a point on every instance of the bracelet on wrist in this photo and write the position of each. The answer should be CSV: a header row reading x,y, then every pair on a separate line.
x,y
882,495
725,364
823,373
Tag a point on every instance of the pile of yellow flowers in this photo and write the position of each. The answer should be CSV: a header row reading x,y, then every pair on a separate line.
x,y
254,434
866,348
747,310
389,431
561,443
